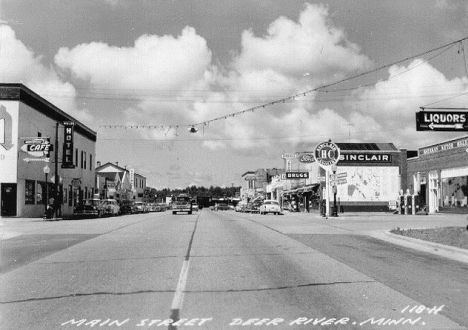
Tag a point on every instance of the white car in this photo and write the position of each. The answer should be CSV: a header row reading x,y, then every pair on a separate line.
x,y
110,207
270,206
141,207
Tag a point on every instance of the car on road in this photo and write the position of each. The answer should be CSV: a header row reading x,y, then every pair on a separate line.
x,y
270,206
127,207
223,207
110,207
141,207
253,207
89,208
181,203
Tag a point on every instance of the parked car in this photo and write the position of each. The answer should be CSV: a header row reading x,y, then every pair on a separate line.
x,y
127,207
141,207
154,207
255,206
270,206
195,207
223,207
110,207
89,208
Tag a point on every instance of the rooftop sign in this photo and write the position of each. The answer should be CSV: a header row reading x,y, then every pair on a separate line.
x,y
443,147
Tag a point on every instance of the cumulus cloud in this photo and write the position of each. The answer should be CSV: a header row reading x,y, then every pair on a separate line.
x,y
311,45
186,87
291,57
19,64
152,63
393,102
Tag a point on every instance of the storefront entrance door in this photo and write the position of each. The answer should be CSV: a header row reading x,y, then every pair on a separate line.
x,y
433,192
8,202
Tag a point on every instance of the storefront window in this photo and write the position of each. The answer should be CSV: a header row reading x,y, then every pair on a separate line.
x,y
29,192
454,192
39,193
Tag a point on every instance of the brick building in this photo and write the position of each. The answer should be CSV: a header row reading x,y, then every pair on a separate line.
x,y
439,174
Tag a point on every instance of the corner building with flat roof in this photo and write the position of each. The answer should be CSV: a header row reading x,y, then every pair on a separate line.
x,y
439,174
368,177
29,129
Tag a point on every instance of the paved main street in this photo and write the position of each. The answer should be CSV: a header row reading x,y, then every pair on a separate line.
x,y
217,270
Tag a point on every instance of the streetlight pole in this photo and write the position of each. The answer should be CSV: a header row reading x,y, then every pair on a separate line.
x,y
46,170
335,211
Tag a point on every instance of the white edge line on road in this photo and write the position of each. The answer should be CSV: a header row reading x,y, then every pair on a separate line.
x,y
179,293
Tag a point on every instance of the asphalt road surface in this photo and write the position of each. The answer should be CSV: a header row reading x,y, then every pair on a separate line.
x,y
220,270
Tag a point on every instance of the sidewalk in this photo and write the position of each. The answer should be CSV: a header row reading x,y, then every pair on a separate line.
x,y
378,225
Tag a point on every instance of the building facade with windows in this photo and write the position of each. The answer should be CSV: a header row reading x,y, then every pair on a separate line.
x,y
113,182
439,175
44,153
368,177
120,183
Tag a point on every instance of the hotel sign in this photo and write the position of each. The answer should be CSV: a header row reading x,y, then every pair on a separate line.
x,y
67,158
365,158
451,121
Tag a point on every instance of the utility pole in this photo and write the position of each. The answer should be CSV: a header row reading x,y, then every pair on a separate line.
x,y
56,181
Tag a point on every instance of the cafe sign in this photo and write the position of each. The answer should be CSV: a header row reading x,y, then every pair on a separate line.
x,y
39,148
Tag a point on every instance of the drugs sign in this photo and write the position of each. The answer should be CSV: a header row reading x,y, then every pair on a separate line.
x,y
297,175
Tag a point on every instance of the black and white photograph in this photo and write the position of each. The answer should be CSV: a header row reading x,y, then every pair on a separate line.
x,y
233,164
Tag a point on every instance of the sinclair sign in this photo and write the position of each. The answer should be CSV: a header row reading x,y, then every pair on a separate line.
x,y
451,121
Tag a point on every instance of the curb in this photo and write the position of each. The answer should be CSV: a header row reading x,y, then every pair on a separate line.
x,y
446,251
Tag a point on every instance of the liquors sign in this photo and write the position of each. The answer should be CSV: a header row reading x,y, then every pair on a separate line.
x,y
442,121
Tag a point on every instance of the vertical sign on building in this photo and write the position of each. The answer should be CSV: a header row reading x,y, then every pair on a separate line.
x,y
67,156
9,116
132,178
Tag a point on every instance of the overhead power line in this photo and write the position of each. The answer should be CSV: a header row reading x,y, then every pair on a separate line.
x,y
301,94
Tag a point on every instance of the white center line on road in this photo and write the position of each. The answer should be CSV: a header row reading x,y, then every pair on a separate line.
x,y
178,300
179,293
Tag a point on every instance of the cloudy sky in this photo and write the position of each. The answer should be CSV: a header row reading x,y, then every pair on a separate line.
x,y
142,72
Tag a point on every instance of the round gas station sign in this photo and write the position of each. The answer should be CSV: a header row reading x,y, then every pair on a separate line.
x,y
327,154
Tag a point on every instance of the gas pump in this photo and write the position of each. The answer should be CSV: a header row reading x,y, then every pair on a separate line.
x,y
401,203
409,208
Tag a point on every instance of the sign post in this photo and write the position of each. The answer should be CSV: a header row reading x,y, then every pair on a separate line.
x,y
327,154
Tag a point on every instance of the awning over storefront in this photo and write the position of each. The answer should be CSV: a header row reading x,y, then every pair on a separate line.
x,y
304,189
